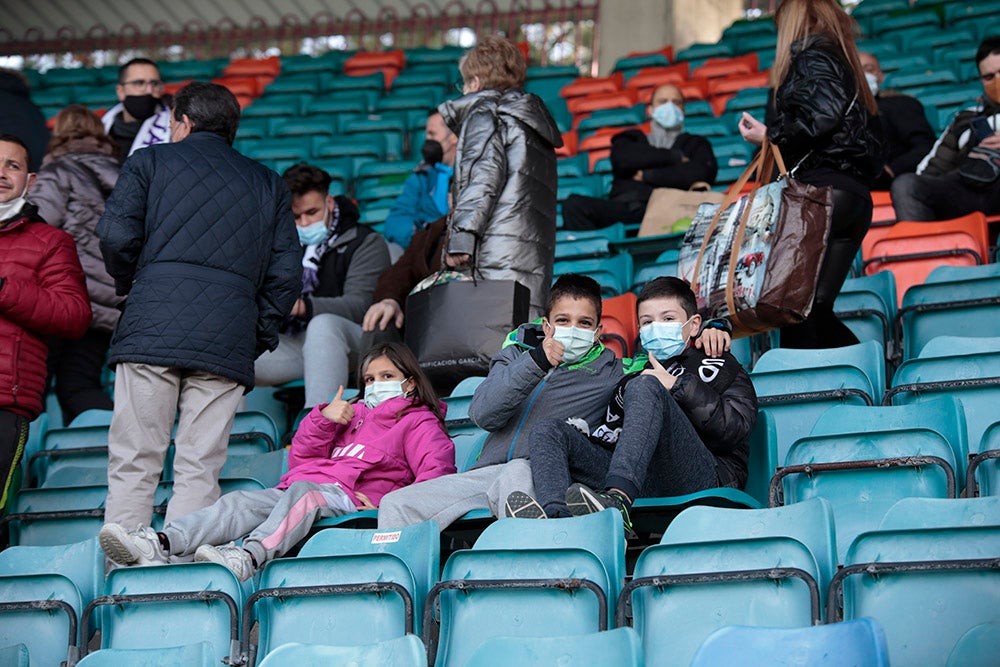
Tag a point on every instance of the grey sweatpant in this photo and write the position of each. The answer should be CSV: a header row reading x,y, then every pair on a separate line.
x,y
272,520
658,453
445,499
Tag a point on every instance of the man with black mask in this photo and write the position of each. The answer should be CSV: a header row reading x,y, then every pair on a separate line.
x,y
141,118
425,194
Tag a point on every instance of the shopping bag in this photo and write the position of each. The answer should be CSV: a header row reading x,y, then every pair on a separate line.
x,y
755,259
455,328
670,210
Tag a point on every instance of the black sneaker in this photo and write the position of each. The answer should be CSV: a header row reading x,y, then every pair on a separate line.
x,y
583,500
522,506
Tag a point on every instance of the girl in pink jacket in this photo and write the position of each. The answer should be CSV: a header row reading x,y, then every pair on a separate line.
x,y
345,456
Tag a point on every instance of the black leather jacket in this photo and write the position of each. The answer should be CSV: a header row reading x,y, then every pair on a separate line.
x,y
815,117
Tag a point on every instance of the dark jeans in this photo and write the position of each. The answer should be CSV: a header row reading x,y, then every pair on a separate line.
x,y
77,366
13,436
653,457
581,213
852,215
929,198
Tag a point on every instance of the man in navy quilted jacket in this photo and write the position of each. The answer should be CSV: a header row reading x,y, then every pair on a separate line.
x,y
202,242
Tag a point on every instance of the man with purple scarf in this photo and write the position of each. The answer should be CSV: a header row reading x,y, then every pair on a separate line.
x,y
321,341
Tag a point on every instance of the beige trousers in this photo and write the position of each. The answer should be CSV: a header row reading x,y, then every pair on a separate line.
x,y
147,399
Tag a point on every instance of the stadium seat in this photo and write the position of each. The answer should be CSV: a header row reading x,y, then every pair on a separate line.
x,y
912,249
620,328
797,386
586,86
525,578
355,101
907,451
847,644
15,655
305,126
680,593
951,300
41,613
945,578
623,117
867,305
354,587
725,67
619,647
650,78
201,654
614,274
267,467
150,607
912,513
700,51
459,399
387,63
983,475
617,99
665,265
469,440
405,651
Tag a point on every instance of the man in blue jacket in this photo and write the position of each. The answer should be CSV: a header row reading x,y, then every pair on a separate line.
x,y
425,193
202,242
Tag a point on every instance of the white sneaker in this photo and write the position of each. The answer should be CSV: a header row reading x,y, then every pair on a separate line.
x,y
231,556
132,547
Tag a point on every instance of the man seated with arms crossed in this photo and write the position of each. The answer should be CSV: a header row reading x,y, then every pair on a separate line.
x,y
678,424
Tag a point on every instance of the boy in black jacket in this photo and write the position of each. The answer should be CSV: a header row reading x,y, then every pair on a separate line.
x,y
706,406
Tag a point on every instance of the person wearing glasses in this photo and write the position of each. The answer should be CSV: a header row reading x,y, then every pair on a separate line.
x,y
142,117
938,190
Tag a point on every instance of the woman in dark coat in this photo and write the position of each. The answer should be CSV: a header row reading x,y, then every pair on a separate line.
x,y
78,173
823,117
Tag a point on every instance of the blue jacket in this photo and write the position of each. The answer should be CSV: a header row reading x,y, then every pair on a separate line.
x,y
416,206
203,242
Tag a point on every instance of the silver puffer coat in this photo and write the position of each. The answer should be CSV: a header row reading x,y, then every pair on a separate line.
x,y
504,212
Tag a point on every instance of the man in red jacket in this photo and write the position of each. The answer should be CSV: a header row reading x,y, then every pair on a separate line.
x,y
42,294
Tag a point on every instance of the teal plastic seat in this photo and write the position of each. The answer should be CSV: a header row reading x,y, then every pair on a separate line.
x,y
15,655
680,593
458,401
283,148
283,105
945,579
41,612
305,126
912,513
355,586
201,654
701,51
983,475
896,443
202,70
797,386
158,607
347,103
406,651
962,299
46,517
533,559
613,274
469,442
619,647
267,468
847,644
867,305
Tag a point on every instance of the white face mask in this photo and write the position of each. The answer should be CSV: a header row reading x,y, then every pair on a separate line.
x,y
13,207
663,339
378,392
668,116
577,342
872,82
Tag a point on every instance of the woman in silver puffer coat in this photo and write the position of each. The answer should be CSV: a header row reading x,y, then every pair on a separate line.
x,y
78,173
503,221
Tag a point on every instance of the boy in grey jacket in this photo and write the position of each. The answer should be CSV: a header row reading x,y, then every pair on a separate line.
x,y
555,369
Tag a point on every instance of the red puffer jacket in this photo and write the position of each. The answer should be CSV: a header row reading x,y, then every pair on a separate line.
x,y
42,294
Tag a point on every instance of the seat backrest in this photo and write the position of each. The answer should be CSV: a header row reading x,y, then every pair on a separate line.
x,y
618,647
201,654
406,651
65,528
963,600
867,357
175,623
809,522
15,655
44,632
988,472
951,346
763,457
81,562
942,308
468,445
673,620
857,642
910,513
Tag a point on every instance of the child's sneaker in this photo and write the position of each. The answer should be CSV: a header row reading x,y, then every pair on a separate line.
x,y
132,547
581,499
522,506
231,556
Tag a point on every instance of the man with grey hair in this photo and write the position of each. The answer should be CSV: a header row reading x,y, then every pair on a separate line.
x,y
201,241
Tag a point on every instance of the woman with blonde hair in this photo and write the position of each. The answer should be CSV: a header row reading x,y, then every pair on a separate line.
x,y
78,173
823,117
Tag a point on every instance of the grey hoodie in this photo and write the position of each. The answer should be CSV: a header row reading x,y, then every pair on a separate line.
x,y
518,393
504,212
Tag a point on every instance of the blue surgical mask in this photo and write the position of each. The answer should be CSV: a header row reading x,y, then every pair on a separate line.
x,y
663,339
669,116
378,392
872,82
314,233
577,342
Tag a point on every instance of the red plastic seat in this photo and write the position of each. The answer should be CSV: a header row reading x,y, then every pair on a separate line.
x,y
569,147
619,324
388,62
253,67
911,250
882,208
720,91
618,99
251,86
654,77
591,86
715,68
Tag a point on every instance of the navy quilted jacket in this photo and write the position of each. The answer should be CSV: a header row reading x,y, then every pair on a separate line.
x,y
203,242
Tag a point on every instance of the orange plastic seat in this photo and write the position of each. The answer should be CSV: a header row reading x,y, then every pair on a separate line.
x,y
667,52
619,324
592,85
251,86
696,89
569,147
714,68
253,67
911,250
172,88
721,90
882,208
388,62
618,99
652,78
